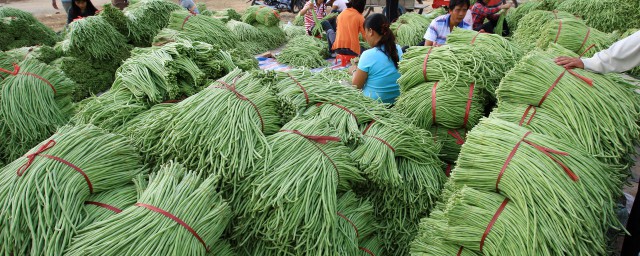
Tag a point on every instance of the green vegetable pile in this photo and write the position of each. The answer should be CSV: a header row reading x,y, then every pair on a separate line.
x,y
19,28
35,101
304,51
605,15
43,193
410,27
575,36
150,227
530,27
202,28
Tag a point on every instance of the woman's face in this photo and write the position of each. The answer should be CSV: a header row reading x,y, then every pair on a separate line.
x,y
369,37
81,4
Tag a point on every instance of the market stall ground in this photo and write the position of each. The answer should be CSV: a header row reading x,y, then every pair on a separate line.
x,y
56,19
48,15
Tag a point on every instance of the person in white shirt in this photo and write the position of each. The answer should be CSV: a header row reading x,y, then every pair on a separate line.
x,y
620,57
339,5
442,26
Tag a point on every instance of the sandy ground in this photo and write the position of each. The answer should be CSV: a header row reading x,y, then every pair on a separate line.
x,y
56,19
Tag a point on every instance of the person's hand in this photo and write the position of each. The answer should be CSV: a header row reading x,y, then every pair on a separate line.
x,y
505,6
352,69
569,62
54,4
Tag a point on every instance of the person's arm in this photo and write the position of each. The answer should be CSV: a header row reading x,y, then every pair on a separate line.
x,y
305,9
70,16
621,56
361,72
431,35
359,78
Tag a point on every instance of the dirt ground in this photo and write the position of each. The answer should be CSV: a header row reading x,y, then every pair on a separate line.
x,y
56,19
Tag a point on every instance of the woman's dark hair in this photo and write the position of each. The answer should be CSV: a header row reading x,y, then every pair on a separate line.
x,y
380,25
454,3
481,2
75,11
357,4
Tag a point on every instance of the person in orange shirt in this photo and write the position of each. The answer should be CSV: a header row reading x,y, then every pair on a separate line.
x,y
350,23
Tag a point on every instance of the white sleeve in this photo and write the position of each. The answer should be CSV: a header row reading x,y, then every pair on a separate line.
x,y
621,56
431,34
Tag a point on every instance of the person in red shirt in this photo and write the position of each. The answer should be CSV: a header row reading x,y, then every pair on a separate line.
x,y
480,11
350,24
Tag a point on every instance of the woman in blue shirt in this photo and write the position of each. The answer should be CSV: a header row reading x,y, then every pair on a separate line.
x,y
377,70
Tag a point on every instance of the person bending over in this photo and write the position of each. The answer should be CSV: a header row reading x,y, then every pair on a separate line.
x,y
377,71
80,9
480,11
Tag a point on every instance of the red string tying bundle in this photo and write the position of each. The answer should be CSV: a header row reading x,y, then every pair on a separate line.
x,y
232,88
526,113
177,220
341,107
16,71
424,64
379,139
350,222
491,223
32,157
546,151
455,134
555,83
103,205
187,18
321,140
468,106
304,91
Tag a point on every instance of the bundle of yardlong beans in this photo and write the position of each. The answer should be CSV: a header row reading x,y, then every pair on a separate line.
x,y
268,17
145,130
159,74
93,35
574,35
531,168
36,100
499,55
410,27
516,14
451,141
19,28
304,51
223,128
356,223
387,138
103,205
477,223
430,239
530,27
300,89
551,122
399,209
109,111
202,28
605,15
451,64
179,213
428,104
147,18
293,202
44,194
598,110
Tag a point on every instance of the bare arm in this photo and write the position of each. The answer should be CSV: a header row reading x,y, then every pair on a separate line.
x,y
428,43
359,78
